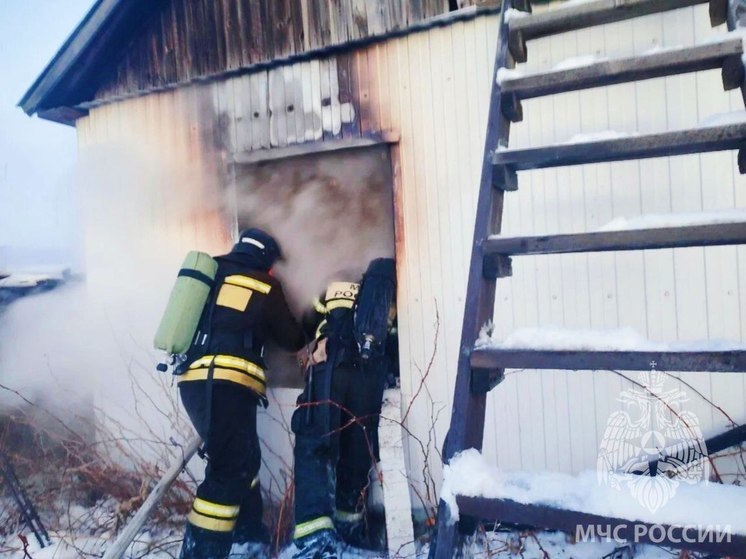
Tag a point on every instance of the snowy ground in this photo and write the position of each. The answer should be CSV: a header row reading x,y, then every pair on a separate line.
x,y
505,545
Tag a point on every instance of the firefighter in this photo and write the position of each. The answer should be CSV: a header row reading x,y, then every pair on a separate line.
x,y
335,426
221,385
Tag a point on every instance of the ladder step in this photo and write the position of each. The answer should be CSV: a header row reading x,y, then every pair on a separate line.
x,y
725,54
588,14
705,361
678,142
551,518
636,239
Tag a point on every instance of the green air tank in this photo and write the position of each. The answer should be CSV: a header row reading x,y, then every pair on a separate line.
x,y
186,303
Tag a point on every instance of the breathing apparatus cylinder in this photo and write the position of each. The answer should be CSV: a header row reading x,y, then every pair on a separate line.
x,y
186,303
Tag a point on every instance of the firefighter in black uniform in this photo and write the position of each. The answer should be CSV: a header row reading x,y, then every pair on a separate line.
x,y
335,426
221,384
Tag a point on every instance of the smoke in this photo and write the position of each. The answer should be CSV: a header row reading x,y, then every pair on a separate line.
x,y
331,213
152,187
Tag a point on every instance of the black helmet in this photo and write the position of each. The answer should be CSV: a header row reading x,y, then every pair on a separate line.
x,y
257,242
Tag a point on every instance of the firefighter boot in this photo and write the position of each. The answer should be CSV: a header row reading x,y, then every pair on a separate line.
x,y
205,544
323,544
367,533
249,550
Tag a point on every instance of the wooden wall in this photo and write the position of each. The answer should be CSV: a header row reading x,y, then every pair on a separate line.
x,y
187,39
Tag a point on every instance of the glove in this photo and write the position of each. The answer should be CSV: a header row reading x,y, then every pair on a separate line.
x,y
312,354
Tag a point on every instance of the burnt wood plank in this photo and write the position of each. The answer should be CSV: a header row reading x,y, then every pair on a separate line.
x,y
679,142
705,361
550,518
637,239
609,72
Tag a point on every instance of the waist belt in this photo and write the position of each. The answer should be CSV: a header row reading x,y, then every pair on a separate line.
x,y
227,367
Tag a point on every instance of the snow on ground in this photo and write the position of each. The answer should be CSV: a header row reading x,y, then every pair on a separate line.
x,y
702,504
656,221
582,339
503,544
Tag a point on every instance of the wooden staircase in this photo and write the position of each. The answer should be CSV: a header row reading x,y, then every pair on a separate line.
x,y
481,369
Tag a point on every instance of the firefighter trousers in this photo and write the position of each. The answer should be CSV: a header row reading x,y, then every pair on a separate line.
x,y
333,456
228,505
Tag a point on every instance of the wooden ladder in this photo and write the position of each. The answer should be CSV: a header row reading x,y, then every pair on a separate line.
x,y
480,370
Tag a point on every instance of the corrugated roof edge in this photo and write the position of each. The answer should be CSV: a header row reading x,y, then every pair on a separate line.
x,y
61,64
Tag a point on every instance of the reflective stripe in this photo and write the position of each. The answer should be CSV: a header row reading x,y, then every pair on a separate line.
x,y
306,528
254,482
209,523
232,362
345,516
234,297
251,283
226,374
319,328
215,509
318,306
339,304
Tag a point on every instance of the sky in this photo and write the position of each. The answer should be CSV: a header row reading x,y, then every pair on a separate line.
x,y
37,158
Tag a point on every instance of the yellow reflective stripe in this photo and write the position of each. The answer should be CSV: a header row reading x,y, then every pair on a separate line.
x,y
306,528
251,283
225,374
345,516
254,482
215,509
339,304
318,306
229,361
209,523
319,328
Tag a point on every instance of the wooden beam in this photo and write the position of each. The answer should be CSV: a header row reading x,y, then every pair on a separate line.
x,y
310,148
621,70
570,521
679,142
588,14
704,361
636,239
466,429
62,115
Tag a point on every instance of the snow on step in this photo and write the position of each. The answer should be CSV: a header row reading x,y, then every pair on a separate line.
x,y
578,62
658,221
556,338
723,119
703,504
602,136
511,14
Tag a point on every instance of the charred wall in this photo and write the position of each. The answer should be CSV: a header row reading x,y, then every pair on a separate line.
x,y
189,39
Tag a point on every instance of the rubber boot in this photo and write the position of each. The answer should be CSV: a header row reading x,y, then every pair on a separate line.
x,y
205,544
323,544
249,550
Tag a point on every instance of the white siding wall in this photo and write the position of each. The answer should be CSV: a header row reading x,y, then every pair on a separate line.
x,y
433,88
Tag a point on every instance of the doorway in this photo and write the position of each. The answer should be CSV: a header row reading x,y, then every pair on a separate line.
x,y
330,212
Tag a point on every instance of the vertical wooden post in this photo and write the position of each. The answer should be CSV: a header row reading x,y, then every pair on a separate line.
x,y
467,418
737,18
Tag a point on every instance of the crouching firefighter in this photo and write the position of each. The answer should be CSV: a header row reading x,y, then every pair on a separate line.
x,y
336,421
221,382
